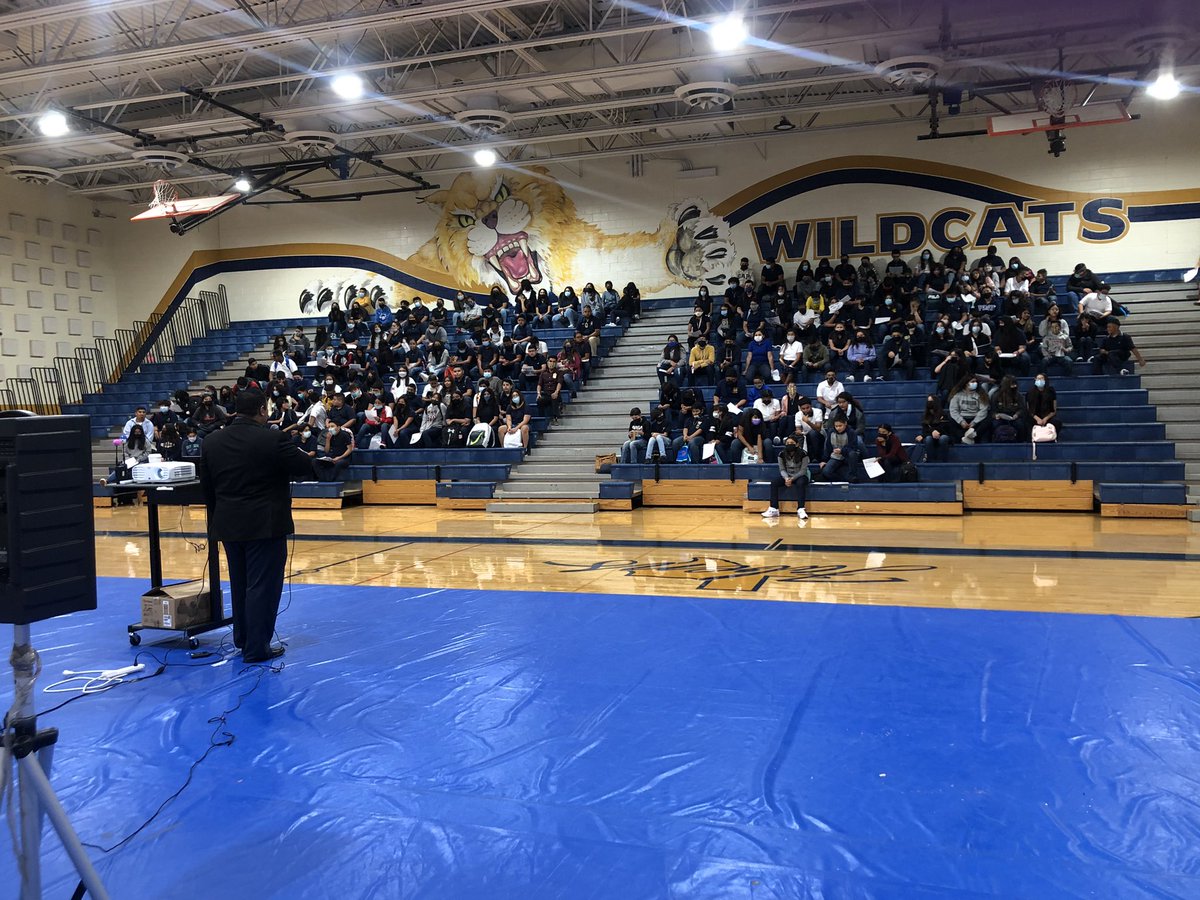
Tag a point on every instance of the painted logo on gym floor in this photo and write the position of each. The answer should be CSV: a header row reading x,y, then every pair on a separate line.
x,y
717,573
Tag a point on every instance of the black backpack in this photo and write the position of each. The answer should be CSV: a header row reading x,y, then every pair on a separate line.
x,y
1004,433
909,472
454,435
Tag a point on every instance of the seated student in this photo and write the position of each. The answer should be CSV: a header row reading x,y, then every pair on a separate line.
x,y
532,367
514,432
898,356
335,458
1011,347
941,342
933,443
860,359
790,353
1041,403
975,343
793,476
852,411
406,422
809,425
828,391
432,422
568,309
169,443
550,387
1058,349
1041,292
692,431
634,448
1010,420
755,390
749,444
376,420
1113,352
702,362
970,411
1086,336
815,361
208,416
760,356
842,452
728,360
189,447
589,327
670,366
1081,281
889,453
137,444
730,392
775,425
660,434
698,326
570,365
838,344
1096,305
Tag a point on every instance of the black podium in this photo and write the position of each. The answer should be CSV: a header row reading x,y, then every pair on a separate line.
x,y
181,493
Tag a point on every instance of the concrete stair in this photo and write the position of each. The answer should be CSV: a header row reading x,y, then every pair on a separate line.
x,y
563,464
1165,326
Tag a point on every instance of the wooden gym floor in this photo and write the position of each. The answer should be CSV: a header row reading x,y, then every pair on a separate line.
x,y
1031,562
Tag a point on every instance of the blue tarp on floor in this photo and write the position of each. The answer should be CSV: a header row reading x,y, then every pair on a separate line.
x,y
493,744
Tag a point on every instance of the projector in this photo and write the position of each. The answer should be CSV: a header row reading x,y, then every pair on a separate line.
x,y
164,473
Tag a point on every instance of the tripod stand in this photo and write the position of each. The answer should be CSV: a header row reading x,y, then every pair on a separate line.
x,y
32,752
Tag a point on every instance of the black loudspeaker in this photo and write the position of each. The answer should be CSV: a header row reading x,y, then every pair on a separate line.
x,y
47,536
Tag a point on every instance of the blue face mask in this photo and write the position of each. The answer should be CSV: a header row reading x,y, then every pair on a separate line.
x,y
1040,382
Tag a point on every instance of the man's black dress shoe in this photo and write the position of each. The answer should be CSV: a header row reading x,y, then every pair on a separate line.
x,y
273,653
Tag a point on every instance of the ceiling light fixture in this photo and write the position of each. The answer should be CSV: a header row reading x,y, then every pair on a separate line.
x,y
784,125
53,124
1165,87
348,86
485,157
243,185
729,33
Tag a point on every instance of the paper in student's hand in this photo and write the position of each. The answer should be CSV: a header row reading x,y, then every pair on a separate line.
x,y
708,451
874,467
880,320
734,408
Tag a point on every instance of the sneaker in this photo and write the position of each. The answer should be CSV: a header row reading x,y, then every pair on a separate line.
x,y
770,513
866,378
776,441
802,513
1126,372
849,379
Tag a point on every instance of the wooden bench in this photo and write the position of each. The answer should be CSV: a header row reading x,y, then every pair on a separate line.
x,y
1036,496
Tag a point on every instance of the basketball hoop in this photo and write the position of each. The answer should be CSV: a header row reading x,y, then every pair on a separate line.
x,y
1052,96
166,198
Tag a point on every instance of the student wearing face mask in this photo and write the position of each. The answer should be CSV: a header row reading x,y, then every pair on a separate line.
x,y
838,344
936,437
975,343
790,353
792,477
970,411
334,456
702,363
760,357
749,445
941,342
208,417
842,453
704,301
860,359
670,366
699,325
889,453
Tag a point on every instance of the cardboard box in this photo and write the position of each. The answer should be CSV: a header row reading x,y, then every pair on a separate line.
x,y
176,606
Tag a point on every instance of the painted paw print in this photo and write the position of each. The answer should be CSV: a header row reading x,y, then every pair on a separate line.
x,y
703,251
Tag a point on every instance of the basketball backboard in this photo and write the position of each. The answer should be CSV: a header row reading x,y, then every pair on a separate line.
x,y
184,206
1105,113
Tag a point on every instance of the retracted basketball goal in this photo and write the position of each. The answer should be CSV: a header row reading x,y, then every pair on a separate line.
x,y
167,204
1056,112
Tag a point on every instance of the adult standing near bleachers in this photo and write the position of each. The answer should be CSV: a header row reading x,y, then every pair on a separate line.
x,y
245,473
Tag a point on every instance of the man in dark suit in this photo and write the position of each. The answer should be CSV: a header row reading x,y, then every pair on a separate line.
x,y
245,471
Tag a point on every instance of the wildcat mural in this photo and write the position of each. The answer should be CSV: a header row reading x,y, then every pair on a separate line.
x,y
510,226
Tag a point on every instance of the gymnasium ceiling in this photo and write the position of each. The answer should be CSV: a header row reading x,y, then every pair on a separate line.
x,y
573,80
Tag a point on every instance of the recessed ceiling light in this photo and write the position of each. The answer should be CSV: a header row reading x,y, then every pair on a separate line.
x,y
53,124
348,86
728,33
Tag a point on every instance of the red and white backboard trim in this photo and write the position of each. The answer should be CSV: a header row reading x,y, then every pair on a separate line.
x,y
1105,113
185,206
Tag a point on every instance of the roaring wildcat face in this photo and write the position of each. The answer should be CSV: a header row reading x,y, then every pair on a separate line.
x,y
497,224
